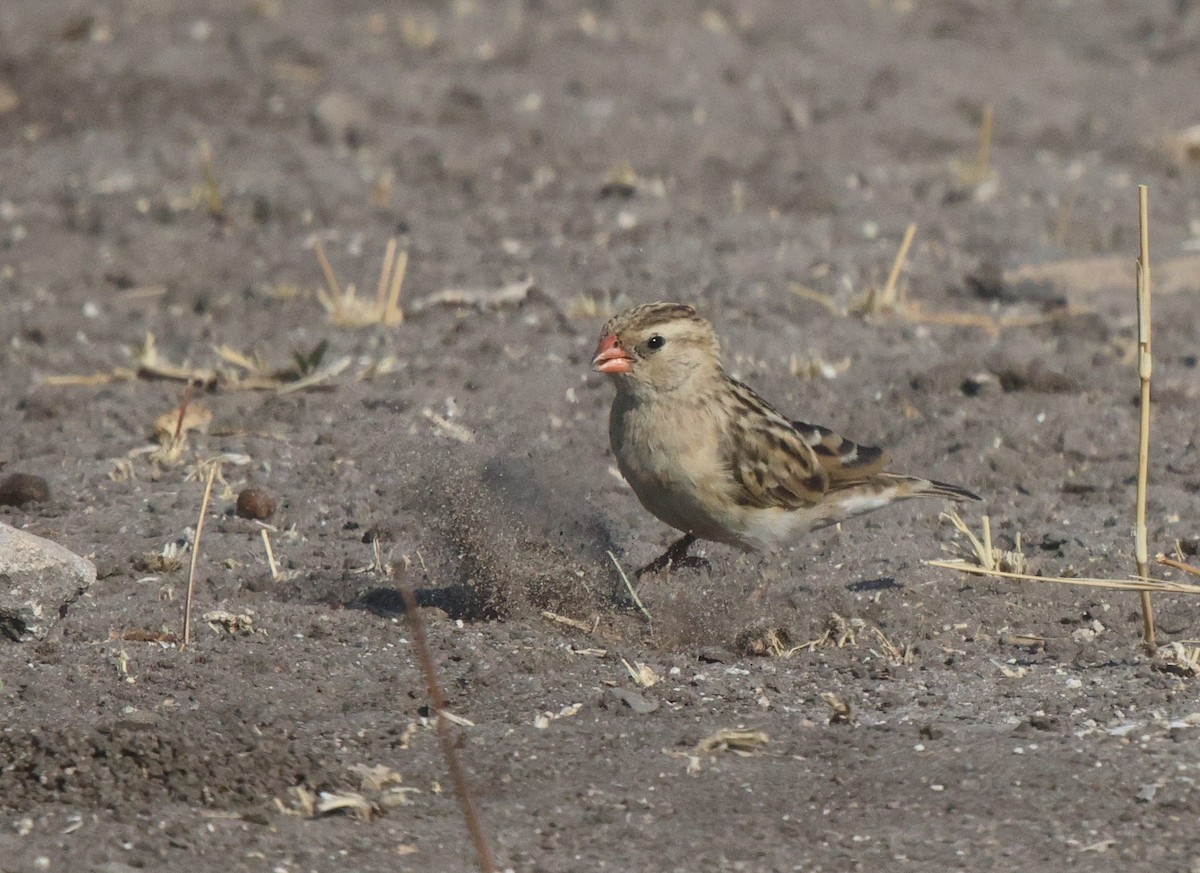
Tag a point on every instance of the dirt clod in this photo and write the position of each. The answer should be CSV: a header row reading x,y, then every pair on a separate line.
x,y
255,503
18,489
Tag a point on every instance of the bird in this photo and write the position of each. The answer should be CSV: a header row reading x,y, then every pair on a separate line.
x,y
708,456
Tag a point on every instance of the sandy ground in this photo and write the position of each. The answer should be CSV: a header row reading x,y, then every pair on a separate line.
x,y
166,171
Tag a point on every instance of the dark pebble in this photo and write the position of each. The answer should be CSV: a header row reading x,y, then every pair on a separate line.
x,y
17,489
255,503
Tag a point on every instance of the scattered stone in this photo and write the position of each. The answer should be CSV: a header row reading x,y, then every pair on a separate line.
x,y
9,101
989,282
255,503
637,702
339,116
18,489
39,579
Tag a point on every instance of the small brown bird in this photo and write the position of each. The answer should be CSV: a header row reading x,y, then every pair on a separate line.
x,y
710,457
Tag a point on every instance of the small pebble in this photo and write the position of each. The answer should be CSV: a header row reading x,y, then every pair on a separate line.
x,y
255,503
17,489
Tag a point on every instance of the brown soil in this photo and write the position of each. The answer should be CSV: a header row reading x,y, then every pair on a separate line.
x,y
167,170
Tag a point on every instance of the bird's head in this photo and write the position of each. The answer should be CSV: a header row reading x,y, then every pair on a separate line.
x,y
657,347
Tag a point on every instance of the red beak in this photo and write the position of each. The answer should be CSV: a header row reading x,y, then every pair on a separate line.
x,y
610,357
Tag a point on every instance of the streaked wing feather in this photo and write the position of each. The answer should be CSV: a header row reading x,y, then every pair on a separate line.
x,y
770,464
845,462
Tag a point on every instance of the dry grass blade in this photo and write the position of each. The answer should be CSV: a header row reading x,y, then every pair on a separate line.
x,y
343,305
509,295
737,740
584,626
191,586
1163,586
1178,565
1178,658
1144,371
985,554
827,300
323,374
152,365
270,555
841,710
888,295
902,655
416,625
637,601
888,298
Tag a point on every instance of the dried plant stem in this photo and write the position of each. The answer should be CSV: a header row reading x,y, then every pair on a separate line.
x,y
335,287
389,261
392,313
985,142
270,555
888,295
1147,585
1144,371
637,601
191,586
416,625
1178,565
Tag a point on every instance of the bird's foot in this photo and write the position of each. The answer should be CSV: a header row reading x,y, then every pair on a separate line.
x,y
676,557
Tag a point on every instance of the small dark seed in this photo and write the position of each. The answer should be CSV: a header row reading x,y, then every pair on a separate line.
x,y
17,489
255,503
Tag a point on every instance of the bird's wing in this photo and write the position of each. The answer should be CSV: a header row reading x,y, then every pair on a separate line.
x,y
846,463
774,462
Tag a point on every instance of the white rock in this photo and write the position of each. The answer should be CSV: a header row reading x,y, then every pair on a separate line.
x,y
38,578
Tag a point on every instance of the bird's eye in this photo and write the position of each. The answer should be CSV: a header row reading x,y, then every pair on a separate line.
x,y
656,342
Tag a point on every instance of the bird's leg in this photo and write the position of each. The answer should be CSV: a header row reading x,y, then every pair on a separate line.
x,y
674,557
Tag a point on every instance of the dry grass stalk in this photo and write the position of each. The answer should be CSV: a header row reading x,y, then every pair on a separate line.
x,y
827,300
643,675
416,625
841,710
1178,658
152,365
888,298
983,552
346,309
586,627
1163,586
973,174
452,429
902,655
1144,370
637,601
483,300
912,311
270,555
993,324
209,191
1178,565
191,586
983,167
740,741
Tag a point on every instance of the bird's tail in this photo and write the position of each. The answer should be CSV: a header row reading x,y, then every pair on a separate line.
x,y
911,486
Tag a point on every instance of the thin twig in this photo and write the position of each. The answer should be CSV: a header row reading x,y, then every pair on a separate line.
x,y
1144,370
985,142
392,313
637,601
1148,584
335,287
1178,565
888,295
191,586
385,274
416,625
270,555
